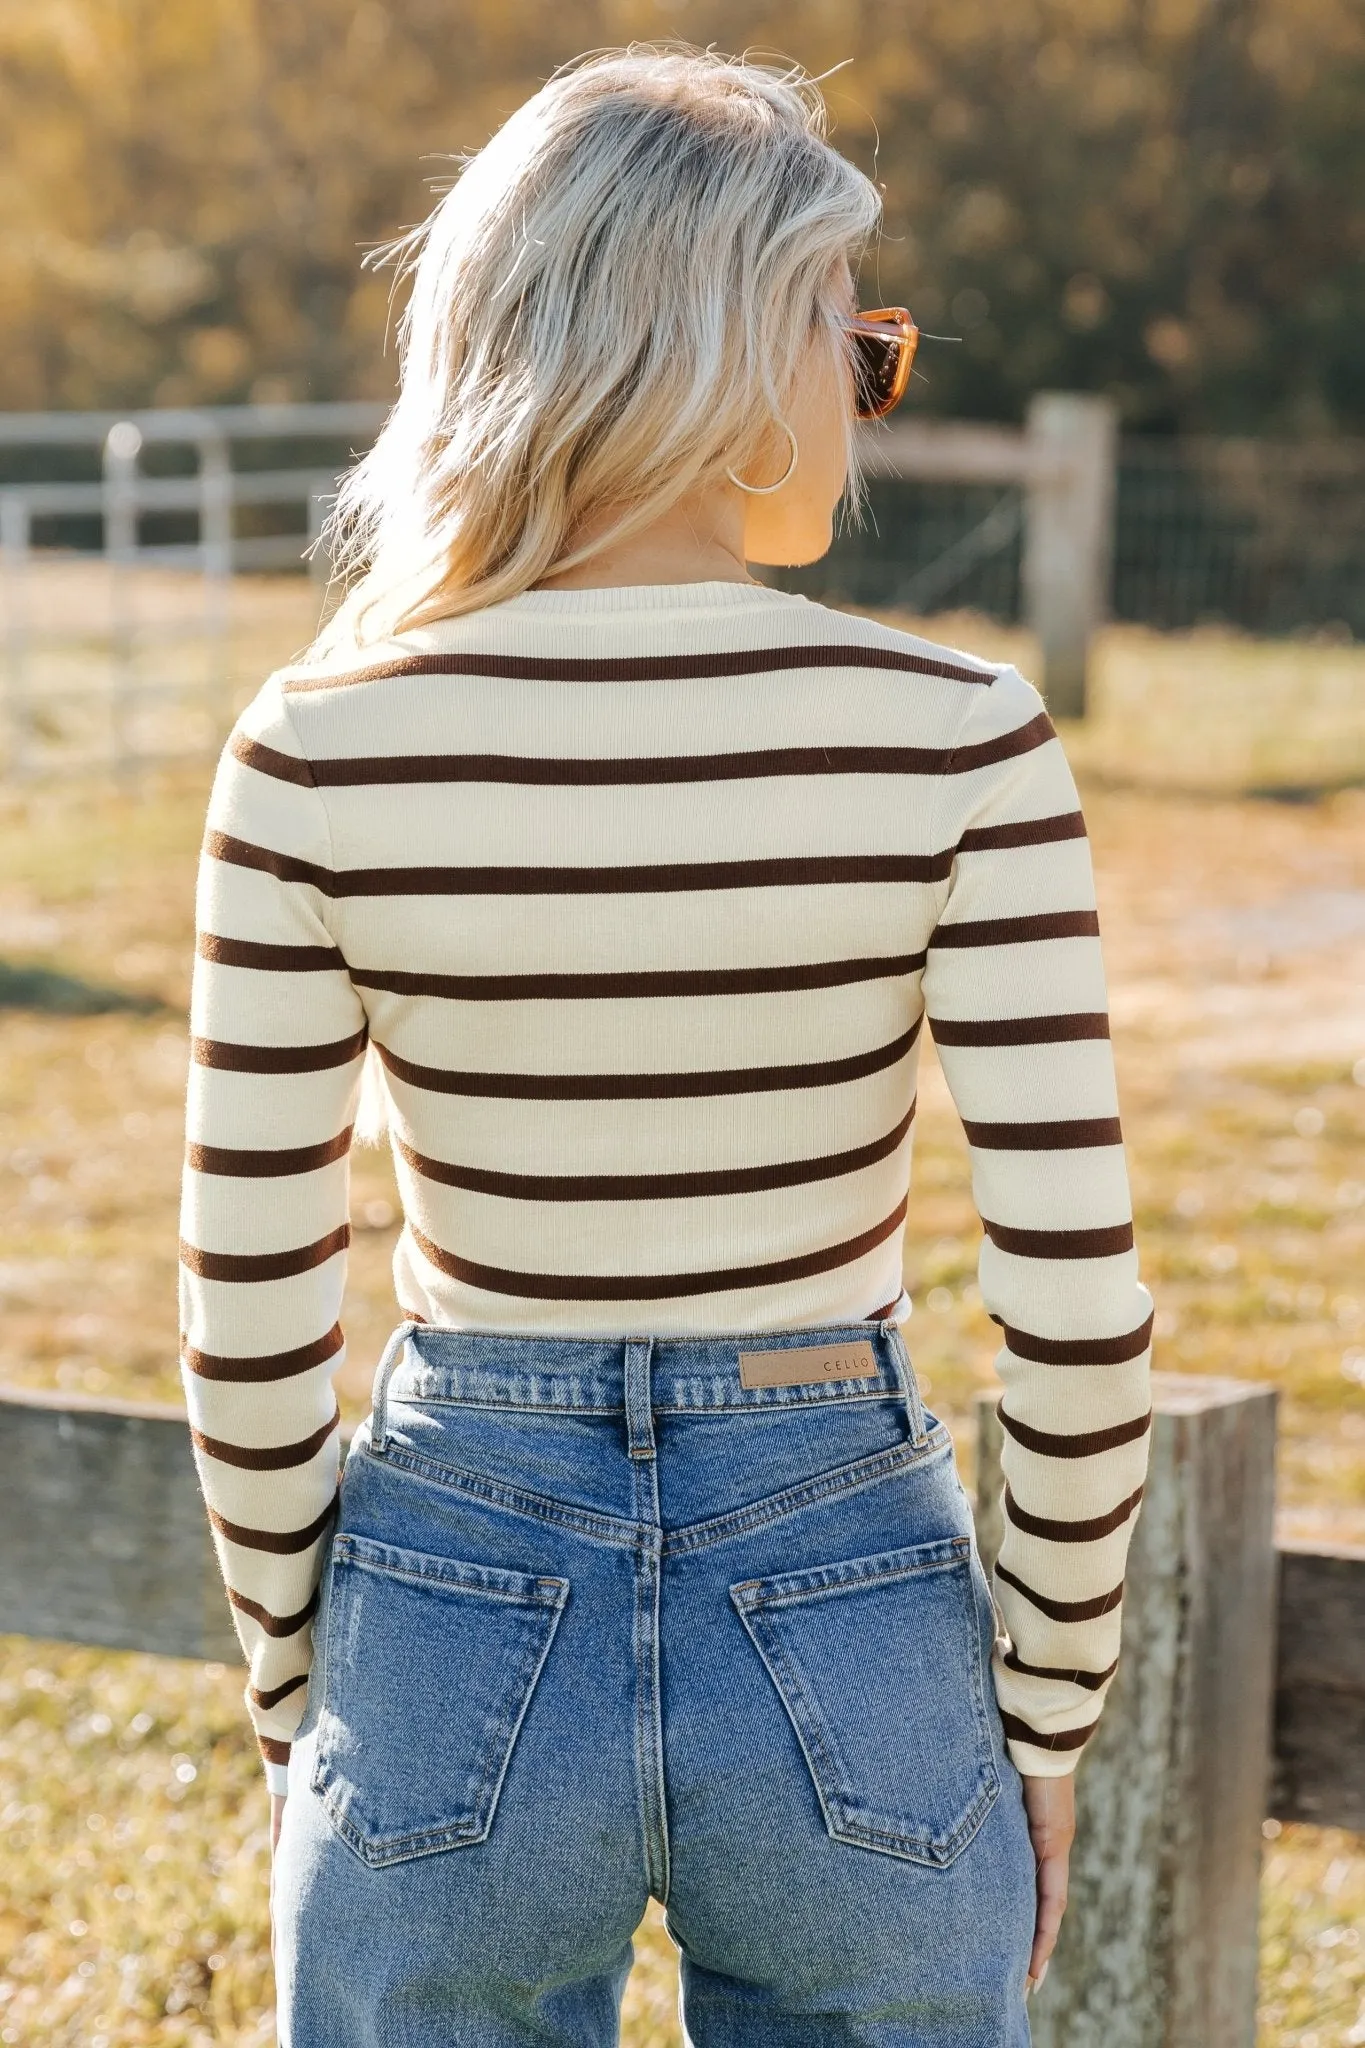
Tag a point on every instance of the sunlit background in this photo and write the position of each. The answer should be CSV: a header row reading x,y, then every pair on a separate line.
x,y
1158,201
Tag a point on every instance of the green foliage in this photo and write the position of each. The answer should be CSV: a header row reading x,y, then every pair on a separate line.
x,y
1164,199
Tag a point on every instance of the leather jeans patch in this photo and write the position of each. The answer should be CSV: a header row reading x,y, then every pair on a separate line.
x,y
802,1363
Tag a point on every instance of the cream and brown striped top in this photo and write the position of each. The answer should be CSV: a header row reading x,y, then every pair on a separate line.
x,y
643,897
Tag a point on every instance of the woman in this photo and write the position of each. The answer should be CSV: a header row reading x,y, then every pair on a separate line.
x,y
649,1573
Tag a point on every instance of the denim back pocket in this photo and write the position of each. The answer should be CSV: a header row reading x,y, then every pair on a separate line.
x,y
429,1667
878,1664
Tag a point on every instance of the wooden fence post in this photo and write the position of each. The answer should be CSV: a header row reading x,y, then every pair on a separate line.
x,y
1159,1945
1068,536
1320,1687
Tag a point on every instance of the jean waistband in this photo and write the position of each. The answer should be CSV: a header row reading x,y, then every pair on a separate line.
x,y
606,1375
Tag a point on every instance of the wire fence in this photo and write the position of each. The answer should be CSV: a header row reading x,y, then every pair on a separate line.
x,y
1269,537
926,546
1265,537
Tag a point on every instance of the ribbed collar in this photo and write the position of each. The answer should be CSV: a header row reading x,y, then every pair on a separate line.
x,y
622,599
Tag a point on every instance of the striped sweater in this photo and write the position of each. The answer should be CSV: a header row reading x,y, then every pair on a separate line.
x,y
644,897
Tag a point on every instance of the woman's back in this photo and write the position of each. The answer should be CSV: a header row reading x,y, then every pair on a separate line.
x,y
638,893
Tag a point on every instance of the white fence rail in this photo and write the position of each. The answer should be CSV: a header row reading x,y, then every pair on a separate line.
x,y
119,499
1063,460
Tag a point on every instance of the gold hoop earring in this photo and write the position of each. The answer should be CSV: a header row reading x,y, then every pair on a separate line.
x,y
766,490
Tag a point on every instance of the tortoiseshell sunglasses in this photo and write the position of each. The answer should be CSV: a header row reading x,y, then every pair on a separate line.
x,y
884,344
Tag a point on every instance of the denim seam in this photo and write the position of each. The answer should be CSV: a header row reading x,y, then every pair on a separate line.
x,y
822,1393
979,1673
843,1479
851,1581
677,1543
536,1507
552,1592
648,1733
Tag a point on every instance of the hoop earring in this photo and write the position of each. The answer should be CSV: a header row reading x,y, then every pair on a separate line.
x,y
766,490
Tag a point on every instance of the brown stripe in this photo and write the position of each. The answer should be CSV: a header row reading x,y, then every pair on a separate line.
x,y
1024,832
1023,740
277,1693
1071,1532
1087,1444
1103,1243
270,761
1060,1738
1060,1030
1067,1134
270,959
268,1458
656,1286
683,981
272,1165
879,1315
277,1059
1064,1610
1089,1681
276,1365
252,1267
274,1624
647,1187
649,1087
1019,931
279,1542
658,668
643,878
285,867
752,764
274,1752
1079,1350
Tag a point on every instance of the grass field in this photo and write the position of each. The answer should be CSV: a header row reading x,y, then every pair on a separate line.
x,y
133,1853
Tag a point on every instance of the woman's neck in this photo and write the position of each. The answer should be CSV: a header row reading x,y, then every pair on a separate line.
x,y
698,540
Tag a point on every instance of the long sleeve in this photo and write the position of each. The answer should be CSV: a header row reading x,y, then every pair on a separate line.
x,y
278,1038
1014,990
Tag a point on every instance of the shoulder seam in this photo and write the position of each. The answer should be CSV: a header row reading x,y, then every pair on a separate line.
x,y
312,779
954,747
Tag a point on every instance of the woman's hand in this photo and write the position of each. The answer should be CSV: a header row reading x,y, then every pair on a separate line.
x,y
1050,1804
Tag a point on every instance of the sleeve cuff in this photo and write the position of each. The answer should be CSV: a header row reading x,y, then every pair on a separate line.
x,y
1042,1763
277,1778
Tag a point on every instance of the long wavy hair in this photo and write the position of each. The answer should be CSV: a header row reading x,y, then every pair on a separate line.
x,y
607,308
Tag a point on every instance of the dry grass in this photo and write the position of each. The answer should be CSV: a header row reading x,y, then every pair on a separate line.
x,y
132,1845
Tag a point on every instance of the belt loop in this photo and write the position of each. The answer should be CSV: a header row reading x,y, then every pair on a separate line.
x,y
639,1418
909,1385
383,1372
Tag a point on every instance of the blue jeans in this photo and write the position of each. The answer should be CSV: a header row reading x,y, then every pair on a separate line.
x,y
601,1621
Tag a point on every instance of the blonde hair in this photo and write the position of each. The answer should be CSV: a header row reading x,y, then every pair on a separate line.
x,y
607,309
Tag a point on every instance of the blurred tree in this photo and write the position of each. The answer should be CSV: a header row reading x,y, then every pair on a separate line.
x,y
1164,199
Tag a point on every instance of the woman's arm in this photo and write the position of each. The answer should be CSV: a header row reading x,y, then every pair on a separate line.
x,y
1014,989
278,1039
